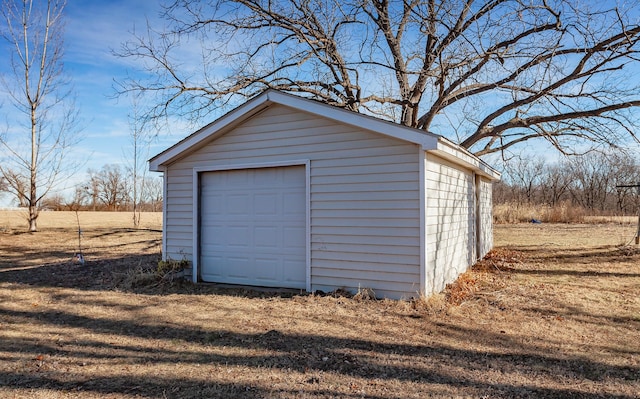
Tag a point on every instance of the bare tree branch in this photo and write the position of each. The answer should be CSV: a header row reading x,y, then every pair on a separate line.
x,y
509,70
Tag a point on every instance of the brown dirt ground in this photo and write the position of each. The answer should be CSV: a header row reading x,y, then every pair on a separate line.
x,y
553,312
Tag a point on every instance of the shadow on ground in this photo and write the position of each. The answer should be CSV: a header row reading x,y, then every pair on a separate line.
x,y
310,354
135,274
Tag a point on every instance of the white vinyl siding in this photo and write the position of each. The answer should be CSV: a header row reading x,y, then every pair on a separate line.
x,y
449,222
364,197
178,209
485,216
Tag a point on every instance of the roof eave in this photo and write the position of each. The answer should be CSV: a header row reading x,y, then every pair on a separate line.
x,y
425,139
460,156
206,133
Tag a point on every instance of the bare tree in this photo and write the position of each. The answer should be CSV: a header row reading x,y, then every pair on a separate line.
x,y
525,174
18,184
139,153
592,180
490,74
33,32
92,189
78,200
55,202
152,193
4,187
109,186
625,171
502,192
555,182
617,168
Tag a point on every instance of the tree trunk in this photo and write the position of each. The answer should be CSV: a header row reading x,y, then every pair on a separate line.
x,y
33,194
33,216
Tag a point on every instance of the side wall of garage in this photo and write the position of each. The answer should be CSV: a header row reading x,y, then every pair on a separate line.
x,y
363,190
450,223
485,216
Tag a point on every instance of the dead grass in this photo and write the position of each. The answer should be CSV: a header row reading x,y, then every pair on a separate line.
x,y
523,213
554,312
565,212
16,220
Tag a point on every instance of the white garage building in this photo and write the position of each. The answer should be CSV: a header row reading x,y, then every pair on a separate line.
x,y
290,192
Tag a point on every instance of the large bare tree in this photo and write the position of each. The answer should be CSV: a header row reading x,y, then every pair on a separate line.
x,y
42,121
152,192
488,74
526,173
109,185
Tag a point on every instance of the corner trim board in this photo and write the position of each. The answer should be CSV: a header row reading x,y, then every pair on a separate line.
x,y
422,157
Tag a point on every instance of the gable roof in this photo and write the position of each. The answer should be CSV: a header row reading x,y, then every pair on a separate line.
x,y
428,141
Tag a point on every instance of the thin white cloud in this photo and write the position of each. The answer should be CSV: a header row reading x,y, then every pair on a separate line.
x,y
96,28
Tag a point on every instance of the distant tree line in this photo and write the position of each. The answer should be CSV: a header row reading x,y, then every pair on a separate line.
x,y
589,181
109,189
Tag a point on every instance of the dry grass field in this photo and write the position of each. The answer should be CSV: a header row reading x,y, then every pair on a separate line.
x,y
553,312
15,220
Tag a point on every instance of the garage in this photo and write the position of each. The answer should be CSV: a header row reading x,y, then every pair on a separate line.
x,y
289,192
252,226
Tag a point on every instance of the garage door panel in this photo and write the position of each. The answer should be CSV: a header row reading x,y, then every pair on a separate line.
x,y
266,204
238,266
266,238
237,237
215,266
236,178
217,204
268,269
237,205
253,226
293,274
292,204
267,177
294,238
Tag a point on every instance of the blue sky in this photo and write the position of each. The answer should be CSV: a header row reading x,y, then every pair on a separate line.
x,y
93,29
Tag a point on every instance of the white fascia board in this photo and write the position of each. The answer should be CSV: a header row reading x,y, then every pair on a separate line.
x,y
219,126
458,155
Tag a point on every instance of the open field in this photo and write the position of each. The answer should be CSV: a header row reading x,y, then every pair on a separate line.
x,y
17,220
555,312
506,213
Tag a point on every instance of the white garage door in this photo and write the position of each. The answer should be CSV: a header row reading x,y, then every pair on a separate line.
x,y
252,227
